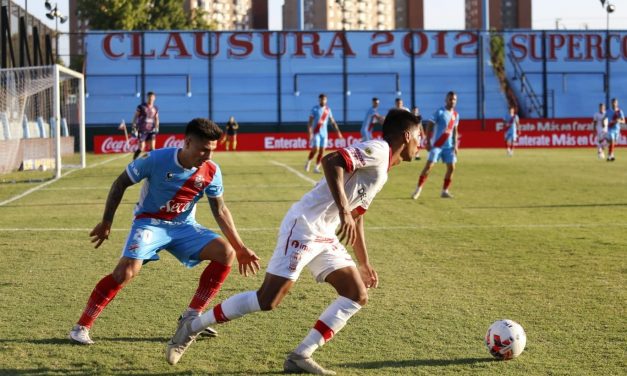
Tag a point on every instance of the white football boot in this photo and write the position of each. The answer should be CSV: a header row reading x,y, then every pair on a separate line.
x,y
80,334
299,364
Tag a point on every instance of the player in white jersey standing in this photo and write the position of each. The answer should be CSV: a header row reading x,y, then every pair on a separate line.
x,y
600,125
307,238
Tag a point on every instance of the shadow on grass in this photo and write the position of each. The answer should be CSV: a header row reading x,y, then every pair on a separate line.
x,y
121,371
417,363
65,341
548,206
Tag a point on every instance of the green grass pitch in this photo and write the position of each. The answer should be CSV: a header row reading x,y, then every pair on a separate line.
x,y
540,238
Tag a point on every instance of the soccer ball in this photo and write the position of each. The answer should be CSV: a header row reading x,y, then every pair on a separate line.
x,y
505,339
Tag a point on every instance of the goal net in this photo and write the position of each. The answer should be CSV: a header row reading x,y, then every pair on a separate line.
x,y
42,118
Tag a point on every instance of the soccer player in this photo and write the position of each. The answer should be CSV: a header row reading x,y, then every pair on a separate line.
x,y
600,124
318,133
175,179
399,105
146,124
231,134
307,238
372,118
615,117
416,111
511,130
442,144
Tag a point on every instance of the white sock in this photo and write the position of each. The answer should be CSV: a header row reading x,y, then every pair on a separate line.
x,y
330,322
232,308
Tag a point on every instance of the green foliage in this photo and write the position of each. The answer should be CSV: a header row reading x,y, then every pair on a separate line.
x,y
139,15
497,57
538,238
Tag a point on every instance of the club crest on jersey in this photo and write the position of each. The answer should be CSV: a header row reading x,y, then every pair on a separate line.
x,y
368,151
199,181
169,176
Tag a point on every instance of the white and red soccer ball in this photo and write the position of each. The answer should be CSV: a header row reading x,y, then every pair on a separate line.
x,y
505,339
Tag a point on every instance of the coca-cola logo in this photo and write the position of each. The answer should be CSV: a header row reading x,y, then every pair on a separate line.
x,y
174,142
173,206
111,145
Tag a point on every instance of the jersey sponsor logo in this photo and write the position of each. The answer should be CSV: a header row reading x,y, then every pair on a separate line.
x,y
178,207
356,154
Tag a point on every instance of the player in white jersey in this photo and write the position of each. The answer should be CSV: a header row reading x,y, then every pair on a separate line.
x,y
600,126
307,238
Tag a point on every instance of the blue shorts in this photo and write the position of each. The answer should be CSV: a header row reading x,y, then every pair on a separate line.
x,y
366,135
318,141
446,155
613,135
510,137
184,240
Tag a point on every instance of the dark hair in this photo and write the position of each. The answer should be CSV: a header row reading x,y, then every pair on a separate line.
x,y
398,99
399,121
375,99
322,95
601,104
613,100
450,93
203,128
150,93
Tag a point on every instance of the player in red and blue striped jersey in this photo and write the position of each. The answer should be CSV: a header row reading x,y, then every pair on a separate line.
x,y
318,133
442,144
372,118
174,180
512,123
616,119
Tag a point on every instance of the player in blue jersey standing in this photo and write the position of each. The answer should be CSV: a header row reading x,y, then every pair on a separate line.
x,y
372,118
616,118
146,124
174,180
442,138
512,123
318,133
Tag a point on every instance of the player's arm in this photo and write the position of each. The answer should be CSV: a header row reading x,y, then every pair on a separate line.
x,y
337,128
334,167
157,122
428,127
102,230
309,126
246,258
456,139
367,272
134,123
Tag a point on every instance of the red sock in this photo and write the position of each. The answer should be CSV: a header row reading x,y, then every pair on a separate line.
x,y
319,158
102,294
611,149
447,183
311,155
422,180
209,285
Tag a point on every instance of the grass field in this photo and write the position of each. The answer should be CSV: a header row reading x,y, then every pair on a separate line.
x,y
540,238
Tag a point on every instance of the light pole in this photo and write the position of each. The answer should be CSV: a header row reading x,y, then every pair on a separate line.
x,y
346,93
609,8
57,16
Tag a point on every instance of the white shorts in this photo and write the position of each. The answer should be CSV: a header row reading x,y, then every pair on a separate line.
x,y
297,247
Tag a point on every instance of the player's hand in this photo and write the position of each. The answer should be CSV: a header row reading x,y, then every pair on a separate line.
x,y
456,150
248,261
369,276
428,146
348,228
100,233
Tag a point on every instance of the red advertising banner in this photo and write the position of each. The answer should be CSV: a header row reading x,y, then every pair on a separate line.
x,y
534,133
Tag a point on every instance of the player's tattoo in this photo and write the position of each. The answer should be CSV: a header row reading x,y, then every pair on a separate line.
x,y
115,196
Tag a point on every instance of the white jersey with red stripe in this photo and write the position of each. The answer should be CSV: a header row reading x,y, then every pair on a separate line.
x,y
367,171
171,191
600,122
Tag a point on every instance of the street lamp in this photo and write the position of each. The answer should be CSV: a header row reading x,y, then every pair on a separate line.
x,y
609,8
57,16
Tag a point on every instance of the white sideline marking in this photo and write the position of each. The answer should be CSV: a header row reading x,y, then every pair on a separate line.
x,y
40,186
297,173
373,228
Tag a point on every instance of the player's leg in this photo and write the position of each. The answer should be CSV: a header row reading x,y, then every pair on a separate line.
x,y
600,140
140,147
352,296
611,146
424,174
234,142
153,141
104,292
321,150
448,177
312,152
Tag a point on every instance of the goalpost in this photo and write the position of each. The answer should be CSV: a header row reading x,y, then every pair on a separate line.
x,y
42,111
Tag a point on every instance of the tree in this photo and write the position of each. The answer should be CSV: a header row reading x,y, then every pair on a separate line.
x,y
139,15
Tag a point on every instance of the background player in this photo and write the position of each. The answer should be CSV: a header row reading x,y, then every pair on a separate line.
x,y
399,105
353,176
512,123
416,111
164,219
600,124
231,134
616,118
318,133
372,118
146,123
442,144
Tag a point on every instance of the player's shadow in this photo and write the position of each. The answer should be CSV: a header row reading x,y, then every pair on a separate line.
x,y
417,363
65,341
